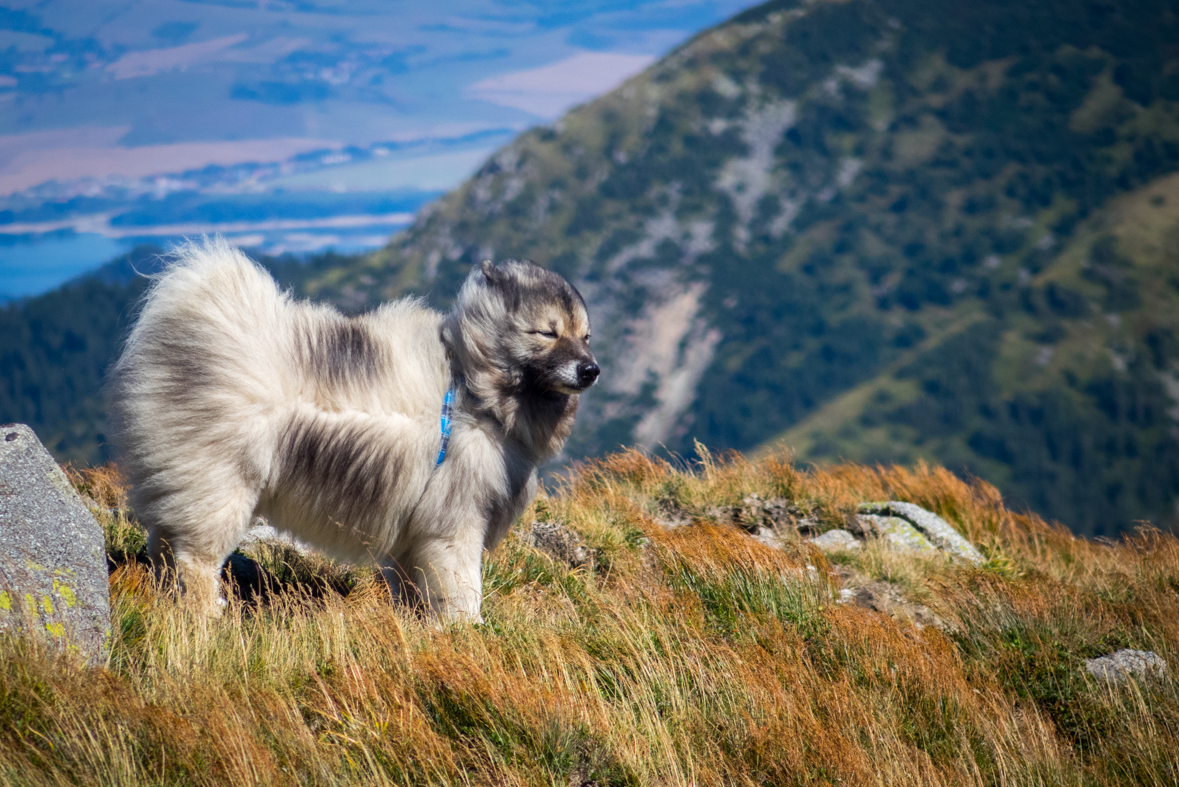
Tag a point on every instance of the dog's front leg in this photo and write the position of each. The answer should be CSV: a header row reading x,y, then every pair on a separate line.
x,y
447,571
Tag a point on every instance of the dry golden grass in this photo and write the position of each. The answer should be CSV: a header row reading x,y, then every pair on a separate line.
x,y
695,655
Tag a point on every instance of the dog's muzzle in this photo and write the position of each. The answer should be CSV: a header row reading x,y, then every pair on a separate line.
x,y
587,373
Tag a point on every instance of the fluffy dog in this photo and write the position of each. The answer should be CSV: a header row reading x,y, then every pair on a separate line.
x,y
232,400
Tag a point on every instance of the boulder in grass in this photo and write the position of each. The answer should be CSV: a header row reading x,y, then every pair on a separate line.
x,y
53,572
898,532
936,530
836,541
1126,665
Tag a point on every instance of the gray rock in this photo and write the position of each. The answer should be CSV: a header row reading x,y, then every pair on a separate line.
x,y
753,514
670,515
899,533
53,574
807,525
558,542
1125,665
769,537
935,529
756,514
886,597
725,515
836,540
671,522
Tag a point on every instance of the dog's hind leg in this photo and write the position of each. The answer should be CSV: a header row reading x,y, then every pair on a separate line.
x,y
195,551
159,552
401,584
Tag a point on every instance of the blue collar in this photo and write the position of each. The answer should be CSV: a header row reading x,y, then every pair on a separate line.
x,y
447,404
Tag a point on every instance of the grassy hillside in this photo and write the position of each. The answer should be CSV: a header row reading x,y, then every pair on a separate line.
x,y
904,202
693,655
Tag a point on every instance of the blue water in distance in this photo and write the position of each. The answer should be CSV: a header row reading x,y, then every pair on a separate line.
x,y
31,267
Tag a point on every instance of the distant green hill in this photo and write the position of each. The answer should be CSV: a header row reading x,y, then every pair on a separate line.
x,y
886,230
54,349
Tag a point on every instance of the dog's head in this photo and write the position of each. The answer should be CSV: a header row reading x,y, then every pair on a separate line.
x,y
524,325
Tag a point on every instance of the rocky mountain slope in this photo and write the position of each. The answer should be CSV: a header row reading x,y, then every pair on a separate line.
x,y
886,230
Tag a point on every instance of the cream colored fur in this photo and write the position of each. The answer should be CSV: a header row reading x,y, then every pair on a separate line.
x,y
232,400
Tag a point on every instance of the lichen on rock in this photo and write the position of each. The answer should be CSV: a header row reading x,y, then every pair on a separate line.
x,y
53,567
935,531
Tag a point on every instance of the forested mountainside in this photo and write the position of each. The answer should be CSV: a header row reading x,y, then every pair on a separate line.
x,y
54,351
915,228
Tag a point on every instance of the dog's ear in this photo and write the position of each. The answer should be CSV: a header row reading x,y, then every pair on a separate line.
x,y
491,274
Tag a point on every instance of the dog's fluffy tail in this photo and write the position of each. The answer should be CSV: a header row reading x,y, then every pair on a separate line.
x,y
207,312
208,281
201,366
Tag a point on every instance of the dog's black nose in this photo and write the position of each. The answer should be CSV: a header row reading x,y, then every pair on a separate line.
x,y
587,373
